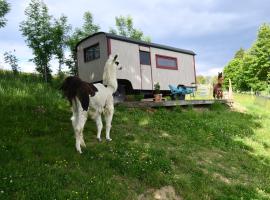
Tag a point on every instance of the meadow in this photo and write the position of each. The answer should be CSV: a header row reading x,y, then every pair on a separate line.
x,y
203,153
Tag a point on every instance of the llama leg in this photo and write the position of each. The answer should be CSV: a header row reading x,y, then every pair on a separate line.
x,y
82,140
79,134
74,120
99,126
108,118
78,122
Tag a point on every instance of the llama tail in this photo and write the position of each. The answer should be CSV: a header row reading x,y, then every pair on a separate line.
x,y
75,109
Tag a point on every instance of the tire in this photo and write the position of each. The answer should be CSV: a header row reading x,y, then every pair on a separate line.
x,y
173,96
182,96
120,95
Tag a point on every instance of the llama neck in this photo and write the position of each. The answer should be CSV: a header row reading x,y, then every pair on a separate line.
x,y
109,79
112,86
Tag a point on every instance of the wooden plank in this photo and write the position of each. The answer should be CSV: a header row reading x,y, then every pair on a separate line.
x,y
152,99
141,104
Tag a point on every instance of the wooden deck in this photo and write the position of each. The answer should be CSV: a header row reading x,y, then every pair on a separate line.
x,y
152,104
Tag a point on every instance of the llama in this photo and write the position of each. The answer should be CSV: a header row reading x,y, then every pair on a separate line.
x,y
217,89
92,99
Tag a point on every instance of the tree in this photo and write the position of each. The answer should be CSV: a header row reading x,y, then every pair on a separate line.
x,y
4,9
201,79
12,60
60,38
124,27
260,51
240,53
251,69
235,71
37,29
87,29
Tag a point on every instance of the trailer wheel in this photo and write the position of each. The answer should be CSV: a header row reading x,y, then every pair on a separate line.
x,y
120,94
182,96
173,96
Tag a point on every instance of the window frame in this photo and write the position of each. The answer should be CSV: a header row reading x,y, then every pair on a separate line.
x,y
169,58
149,57
85,49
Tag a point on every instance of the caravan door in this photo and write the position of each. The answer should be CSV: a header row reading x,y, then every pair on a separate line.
x,y
146,68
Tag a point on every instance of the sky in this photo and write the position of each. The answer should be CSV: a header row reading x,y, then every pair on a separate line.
x,y
213,29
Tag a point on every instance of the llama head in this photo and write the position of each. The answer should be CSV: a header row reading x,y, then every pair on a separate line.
x,y
113,60
220,78
110,70
220,75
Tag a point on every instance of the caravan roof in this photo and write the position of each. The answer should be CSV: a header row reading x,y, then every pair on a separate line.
x,y
143,43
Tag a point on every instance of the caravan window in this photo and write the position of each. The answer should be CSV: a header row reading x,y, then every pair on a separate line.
x,y
166,62
91,53
145,58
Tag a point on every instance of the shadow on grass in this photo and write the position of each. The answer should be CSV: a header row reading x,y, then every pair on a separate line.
x,y
205,151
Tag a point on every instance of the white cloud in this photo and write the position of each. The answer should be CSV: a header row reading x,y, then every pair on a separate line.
x,y
206,69
24,65
165,21
22,52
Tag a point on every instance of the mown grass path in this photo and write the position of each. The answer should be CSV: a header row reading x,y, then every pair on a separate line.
x,y
210,153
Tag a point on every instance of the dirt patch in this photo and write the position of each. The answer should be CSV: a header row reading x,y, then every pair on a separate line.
x,y
201,108
40,109
151,110
164,134
222,178
164,193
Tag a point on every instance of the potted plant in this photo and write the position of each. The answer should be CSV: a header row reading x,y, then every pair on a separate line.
x,y
157,94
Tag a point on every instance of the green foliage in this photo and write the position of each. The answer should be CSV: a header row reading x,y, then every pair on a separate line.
x,y
260,51
60,37
4,9
240,54
125,27
44,37
12,60
216,154
38,31
201,79
157,88
250,69
235,71
59,79
88,28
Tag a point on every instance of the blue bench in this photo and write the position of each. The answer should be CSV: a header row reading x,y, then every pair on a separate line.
x,y
180,91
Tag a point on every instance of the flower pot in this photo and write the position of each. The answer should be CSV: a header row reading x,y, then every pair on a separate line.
x,y
157,97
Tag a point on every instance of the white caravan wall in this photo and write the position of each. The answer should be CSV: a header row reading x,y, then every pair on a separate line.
x,y
92,71
134,72
140,76
129,60
184,75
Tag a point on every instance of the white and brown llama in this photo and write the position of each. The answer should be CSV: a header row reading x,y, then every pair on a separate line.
x,y
92,99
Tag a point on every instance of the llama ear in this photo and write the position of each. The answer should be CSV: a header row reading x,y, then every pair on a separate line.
x,y
115,57
92,89
84,92
84,99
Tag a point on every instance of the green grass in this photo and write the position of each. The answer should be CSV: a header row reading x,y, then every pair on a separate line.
x,y
204,154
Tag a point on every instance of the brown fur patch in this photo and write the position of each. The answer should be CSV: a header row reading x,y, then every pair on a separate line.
x,y
73,86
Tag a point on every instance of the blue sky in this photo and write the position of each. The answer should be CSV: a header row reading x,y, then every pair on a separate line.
x,y
213,29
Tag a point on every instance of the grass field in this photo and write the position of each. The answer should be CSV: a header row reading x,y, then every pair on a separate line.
x,y
210,153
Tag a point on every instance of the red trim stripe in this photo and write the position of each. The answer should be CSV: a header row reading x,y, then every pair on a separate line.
x,y
194,70
109,47
151,68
